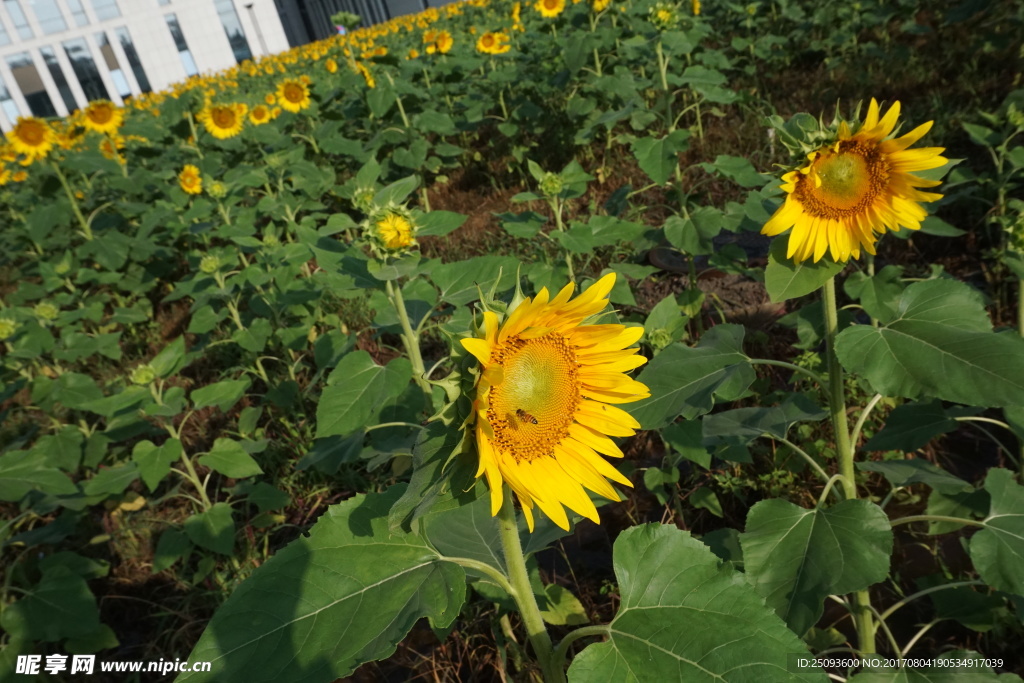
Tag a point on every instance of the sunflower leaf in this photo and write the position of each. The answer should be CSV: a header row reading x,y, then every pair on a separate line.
x,y
686,616
939,345
345,594
786,280
998,549
796,557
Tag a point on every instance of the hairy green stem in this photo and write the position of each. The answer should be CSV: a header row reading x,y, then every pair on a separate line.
x,y
515,561
573,636
86,230
410,339
789,366
837,407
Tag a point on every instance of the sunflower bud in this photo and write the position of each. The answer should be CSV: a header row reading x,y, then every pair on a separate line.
x,y
217,190
142,375
210,264
270,241
362,199
393,229
552,184
7,328
46,311
664,16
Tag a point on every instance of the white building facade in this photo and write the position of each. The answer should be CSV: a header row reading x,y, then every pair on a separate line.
x,y
58,55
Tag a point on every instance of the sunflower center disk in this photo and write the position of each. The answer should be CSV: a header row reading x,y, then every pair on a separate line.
x,y
844,183
532,408
224,118
101,115
31,134
293,93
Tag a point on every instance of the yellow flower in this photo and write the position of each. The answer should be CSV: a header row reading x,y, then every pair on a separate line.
x,y
270,99
542,400
413,54
102,116
370,81
19,176
223,120
492,43
856,189
444,42
259,115
32,138
190,179
293,95
550,8
601,5
395,231
331,66
696,7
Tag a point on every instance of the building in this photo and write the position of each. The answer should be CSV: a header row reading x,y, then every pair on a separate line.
x,y
57,55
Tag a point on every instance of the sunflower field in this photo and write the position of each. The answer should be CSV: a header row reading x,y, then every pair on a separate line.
x,y
599,341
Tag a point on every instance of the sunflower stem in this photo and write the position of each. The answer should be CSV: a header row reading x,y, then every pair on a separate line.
x,y
861,603
86,230
515,561
410,339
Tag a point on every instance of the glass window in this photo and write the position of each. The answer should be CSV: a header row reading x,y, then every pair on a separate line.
x,y
78,12
7,104
26,77
164,3
116,75
5,38
50,57
106,9
48,15
132,56
179,40
233,28
18,17
85,69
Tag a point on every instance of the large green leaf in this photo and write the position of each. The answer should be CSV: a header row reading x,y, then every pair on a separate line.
x,y
658,157
60,606
784,279
229,458
797,557
24,471
939,345
345,594
685,616
911,426
213,529
998,549
683,380
355,389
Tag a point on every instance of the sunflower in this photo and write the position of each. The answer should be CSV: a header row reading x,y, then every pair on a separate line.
x,y
270,99
293,95
370,81
190,179
102,116
32,138
856,189
224,120
542,401
444,42
259,115
550,8
331,66
601,5
492,43
394,231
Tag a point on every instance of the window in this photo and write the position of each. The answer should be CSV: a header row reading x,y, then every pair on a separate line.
x,y
5,38
179,40
78,12
85,69
18,17
233,28
26,77
50,57
128,46
7,104
49,16
164,3
116,75
106,9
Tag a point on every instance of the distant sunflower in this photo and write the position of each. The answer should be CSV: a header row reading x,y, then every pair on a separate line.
x,y
855,189
259,115
224,121
102,116
331,66
370,81
550,9
444,42
32,138
293,95
190,179
493,43
542,400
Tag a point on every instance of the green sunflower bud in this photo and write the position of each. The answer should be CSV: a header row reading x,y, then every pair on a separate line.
x,y
217,190
46,311
142,375
363,199
7,328
210,264
664,16
551,184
